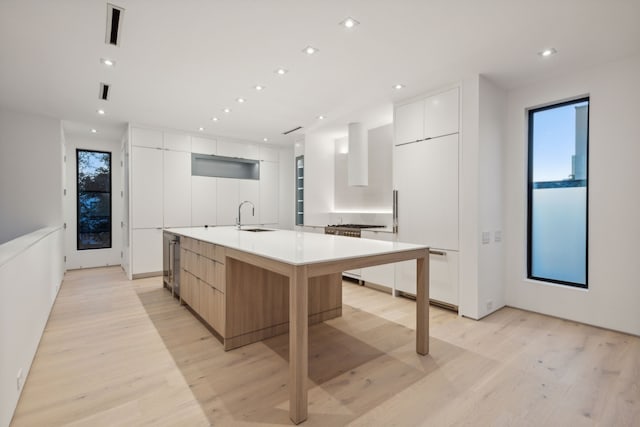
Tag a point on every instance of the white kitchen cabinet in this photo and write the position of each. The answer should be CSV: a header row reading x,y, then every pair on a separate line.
x,y
177,188
146,246
426,177
203,145
238,149
249,189
146,187
443,276
409,122
430,117
441,114
383,275
177,141
269,154
227,201
203,200
150,138
269,194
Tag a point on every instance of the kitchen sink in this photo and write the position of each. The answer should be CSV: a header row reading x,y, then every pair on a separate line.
x,y
256,230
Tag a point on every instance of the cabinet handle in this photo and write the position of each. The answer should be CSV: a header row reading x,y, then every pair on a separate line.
x,y
440,253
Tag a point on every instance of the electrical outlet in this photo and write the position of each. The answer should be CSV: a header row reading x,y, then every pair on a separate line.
x,y
489,305
486,237
19,379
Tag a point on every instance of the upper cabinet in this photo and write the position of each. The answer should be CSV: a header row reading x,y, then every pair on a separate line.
x,y
238,149
409,122
441,114
203,145
146,138
430,117
177,142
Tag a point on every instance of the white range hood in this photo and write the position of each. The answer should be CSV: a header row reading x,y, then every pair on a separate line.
x,y
358,157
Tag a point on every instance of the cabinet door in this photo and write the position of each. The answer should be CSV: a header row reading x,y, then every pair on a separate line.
x,y
227,201
249,189
203,145
269,154
441,114
146,187
146,138
203,200
380,274
409,122
269,186
238,149
147,251
177,142
443,276
177,189
426,175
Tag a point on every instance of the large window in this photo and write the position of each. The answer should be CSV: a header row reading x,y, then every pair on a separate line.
x,y
94,199
558,196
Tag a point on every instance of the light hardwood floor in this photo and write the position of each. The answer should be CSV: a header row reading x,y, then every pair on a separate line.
x,y
125,353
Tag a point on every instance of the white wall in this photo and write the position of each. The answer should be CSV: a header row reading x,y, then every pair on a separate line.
x,y
287,189
483,109
94,257
31,270
318,178
614,200
30,173
377,196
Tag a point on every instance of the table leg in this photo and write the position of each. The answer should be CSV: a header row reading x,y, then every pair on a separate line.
x,y
298,344
422,303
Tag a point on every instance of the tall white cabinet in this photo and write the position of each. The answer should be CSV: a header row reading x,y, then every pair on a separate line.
x,y
426,175
163,193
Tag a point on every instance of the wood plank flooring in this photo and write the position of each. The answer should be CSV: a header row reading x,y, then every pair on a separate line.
x,y
125,353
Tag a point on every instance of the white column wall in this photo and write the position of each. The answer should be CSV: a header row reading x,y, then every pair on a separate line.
x,y
614,200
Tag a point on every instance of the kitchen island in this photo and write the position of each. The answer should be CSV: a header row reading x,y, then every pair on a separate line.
x,y
253,283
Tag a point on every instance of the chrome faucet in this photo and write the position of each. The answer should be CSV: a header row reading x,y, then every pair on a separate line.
x,y
239,219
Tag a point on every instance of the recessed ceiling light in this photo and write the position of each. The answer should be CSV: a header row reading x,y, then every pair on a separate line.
x,y
320,117
200,128
101,112
227,110
214,119
258,87
281,71
108,62
265,139
240,100
398,86
93,131
310,50
349,22
547,52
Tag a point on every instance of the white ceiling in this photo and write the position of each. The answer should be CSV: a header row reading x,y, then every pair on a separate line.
x,y
182,62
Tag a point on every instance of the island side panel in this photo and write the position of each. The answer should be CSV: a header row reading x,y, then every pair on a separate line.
x,y
257,302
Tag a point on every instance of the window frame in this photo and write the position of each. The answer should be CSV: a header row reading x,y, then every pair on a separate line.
x,y
78,151
530,182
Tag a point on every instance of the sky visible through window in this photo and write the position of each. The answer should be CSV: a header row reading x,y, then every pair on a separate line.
x,y
555,134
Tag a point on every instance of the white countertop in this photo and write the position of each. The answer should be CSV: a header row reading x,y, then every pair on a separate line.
x,y
294,247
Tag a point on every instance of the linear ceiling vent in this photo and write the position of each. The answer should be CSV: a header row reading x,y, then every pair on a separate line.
x,y
114,24
104,91
292,130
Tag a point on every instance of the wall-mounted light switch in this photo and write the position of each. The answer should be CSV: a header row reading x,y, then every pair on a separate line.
x,y
497,236
486,237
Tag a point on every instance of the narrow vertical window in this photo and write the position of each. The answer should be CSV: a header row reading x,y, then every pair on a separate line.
x,y
558,196
94,199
